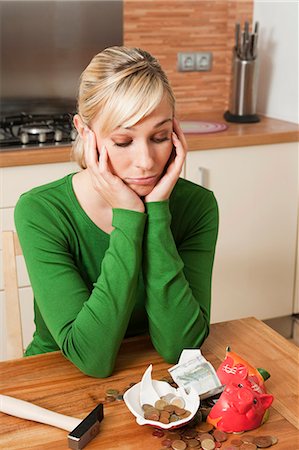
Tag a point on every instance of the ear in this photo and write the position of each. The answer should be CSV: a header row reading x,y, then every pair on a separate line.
x,y
266,400
80,126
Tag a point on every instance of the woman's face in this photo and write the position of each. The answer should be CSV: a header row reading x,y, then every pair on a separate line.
x,y
138,154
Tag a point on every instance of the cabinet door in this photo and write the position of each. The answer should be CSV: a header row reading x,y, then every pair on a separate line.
x,y
256,190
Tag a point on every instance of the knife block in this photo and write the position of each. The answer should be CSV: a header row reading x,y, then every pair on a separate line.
x,y
243,91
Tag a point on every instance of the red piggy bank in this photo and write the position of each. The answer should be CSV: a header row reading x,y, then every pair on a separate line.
x,y
239,408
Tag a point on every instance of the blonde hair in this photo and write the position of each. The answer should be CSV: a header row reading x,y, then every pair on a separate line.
x,y
120,86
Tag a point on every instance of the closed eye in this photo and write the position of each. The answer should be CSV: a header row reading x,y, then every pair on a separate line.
x,y
123,144
155,140
158,141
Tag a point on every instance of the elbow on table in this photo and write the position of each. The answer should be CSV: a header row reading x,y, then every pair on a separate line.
x,y
172,352
96,370
92,366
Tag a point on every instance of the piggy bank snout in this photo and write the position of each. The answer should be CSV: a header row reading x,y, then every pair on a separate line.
x,y
245,396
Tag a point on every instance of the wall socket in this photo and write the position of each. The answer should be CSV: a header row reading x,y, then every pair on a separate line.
x,y
194,61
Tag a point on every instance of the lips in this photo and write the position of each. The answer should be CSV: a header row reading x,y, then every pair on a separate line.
x,y
142,181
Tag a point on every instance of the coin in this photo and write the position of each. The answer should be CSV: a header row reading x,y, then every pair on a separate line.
x,y
178,401
248,446
205,427
166,443
208,444
158,433
263,441
146,407
220,436
179,445
248,438
168,397
237,442
193,443
160,404
190,433
274,440
112,392
204,436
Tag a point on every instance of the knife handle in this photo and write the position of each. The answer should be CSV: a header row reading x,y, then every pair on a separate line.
x,y
26,410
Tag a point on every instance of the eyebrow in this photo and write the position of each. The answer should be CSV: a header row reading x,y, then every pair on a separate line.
x,y
155,126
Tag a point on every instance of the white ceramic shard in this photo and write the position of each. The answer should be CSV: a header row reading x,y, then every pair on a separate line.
x,y
148,391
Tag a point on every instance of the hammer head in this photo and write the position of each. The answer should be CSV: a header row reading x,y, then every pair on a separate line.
x,y
87,429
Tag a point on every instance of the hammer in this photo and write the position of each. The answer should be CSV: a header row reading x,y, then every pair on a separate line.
x,y
81,431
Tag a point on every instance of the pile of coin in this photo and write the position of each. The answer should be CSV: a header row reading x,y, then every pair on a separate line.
x,y
169,408
204,436
111,395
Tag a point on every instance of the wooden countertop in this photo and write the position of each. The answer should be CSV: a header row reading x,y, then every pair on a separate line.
x,y
52,382
267,131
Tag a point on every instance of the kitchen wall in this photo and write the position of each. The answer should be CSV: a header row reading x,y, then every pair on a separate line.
x,y
278,91
166,27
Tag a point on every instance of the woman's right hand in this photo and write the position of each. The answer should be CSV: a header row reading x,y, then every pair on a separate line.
x,y
111,188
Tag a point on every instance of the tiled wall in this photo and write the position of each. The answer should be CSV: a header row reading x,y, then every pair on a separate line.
x,y
165,27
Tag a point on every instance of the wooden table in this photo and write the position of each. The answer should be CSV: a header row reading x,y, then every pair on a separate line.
x,y
53,382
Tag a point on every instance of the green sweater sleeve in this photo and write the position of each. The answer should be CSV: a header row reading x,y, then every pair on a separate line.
x,y
87,325
178,277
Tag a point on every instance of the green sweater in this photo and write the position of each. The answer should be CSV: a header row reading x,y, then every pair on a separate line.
x,y
91,289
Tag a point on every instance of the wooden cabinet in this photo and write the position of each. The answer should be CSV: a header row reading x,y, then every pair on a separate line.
x,y
14,181
256,188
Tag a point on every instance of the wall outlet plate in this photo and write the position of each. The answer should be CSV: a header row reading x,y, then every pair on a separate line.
x,y
194,61
186,62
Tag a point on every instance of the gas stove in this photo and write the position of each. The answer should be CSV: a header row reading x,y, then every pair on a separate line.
x,y
24,130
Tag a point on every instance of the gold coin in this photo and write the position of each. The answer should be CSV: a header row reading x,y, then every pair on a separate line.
x,y
204,436
193,443
179,445
205,427
160,404
112,392
146,407
208,444
178,401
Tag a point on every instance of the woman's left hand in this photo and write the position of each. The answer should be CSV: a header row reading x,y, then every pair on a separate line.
x,y
165,185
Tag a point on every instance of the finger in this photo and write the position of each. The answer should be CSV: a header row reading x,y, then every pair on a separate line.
x,y
105,171
179,132
180,149
180,152
90,149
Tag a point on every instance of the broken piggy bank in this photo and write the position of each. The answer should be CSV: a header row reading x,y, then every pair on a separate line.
x,y
244,402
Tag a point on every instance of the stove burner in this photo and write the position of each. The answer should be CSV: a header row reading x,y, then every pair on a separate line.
x,y
33,130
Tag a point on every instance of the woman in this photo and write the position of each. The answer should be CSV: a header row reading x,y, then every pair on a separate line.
x,y
124,246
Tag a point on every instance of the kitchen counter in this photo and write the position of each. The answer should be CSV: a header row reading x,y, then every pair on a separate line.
x,y
267,131
52,382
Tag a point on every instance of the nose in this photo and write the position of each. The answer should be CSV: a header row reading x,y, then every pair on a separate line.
x,y
143,157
